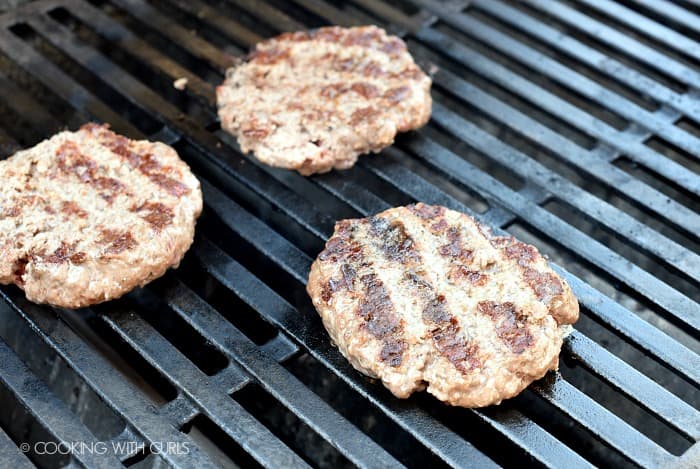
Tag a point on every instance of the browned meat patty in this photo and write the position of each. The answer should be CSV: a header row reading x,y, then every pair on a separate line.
x,y
422,296
87,216
314,101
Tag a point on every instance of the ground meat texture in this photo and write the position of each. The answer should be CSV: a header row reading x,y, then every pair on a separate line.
x,y
314,101
92,214
423,297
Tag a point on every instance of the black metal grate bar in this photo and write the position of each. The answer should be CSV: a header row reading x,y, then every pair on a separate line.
x,y
637,386
591,57
588,161
587,87
11,455
673,12
635,231
647,27
617,40
561,108
20,102
356,446
283,219
113,390
59,423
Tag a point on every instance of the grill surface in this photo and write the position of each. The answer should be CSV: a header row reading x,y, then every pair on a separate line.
x,y
575,126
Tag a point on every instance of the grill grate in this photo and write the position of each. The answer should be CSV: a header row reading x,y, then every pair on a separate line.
x,y
575,125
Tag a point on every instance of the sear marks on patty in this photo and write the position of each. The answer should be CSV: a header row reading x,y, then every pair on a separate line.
x,y
394,241
313,101
117,241
70,208
65,253
147,164
157,214
72,161
425,297
511,324
381,319
447,338
87,216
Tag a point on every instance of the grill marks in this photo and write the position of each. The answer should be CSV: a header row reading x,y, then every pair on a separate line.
x,y
70,208
366,90
20,268
365,248
397,246
65,253
381,319
447,337
72,162
158,215
375,306
511,324
147,164
474,277
545,285
117,241
454,249
341,247
427,212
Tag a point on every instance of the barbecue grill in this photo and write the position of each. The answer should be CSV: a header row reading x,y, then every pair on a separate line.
x,y
574,125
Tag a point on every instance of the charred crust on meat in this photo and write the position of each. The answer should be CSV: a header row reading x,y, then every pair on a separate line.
x,y
341,247
366,90
396,95
362,114
65,253
511,324
454,249
19,269
117,241
72,161
427,212
394,241
253,128
158,215
474,277
13,211
71,208
447,336
269,56
545,284
440,226
443,327
346,282
515,250
381,320
147,164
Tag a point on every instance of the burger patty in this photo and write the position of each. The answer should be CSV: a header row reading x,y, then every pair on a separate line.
x,y
426,297
87,216
313,101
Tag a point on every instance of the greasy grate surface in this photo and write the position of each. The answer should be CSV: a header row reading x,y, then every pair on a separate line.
x,y
574,125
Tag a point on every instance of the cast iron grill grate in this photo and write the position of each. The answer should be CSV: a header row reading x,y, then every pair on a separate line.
x,y
574,125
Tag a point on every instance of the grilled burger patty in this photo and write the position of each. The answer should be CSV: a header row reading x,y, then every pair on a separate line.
x,y
422,296
87,216
313,101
